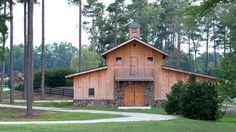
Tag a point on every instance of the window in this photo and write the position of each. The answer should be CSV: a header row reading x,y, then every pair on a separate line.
x,y
150,60
118,60
134,30
91,92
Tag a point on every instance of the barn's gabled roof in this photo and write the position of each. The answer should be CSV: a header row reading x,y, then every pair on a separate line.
x,y
85,72
134,39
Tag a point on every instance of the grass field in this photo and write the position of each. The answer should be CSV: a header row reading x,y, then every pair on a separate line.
x,y
226,124
177,125
229,102
157,110
9,114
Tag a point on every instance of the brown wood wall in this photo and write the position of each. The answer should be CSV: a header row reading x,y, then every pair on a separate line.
x,y
103,81
96,80
172,77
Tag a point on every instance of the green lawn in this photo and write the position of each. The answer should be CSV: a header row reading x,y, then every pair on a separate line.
x,y
157,110
229,117
177,125
229,103
54,104
9,114
226,124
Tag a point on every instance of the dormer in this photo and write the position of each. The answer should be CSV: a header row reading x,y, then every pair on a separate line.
x,y
134,30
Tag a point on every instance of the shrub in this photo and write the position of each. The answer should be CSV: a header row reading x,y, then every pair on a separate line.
x,y
195,100
53,78
19,87
172,106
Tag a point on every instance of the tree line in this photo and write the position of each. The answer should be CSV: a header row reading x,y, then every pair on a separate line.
x,y
57,55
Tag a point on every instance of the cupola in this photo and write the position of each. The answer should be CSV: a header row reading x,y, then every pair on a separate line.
x,y
134,30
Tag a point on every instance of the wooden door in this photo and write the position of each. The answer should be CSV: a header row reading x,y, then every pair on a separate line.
x,y
134,95
129,95
133,65
139,95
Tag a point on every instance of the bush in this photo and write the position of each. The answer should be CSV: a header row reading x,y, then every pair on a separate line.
x,y
19,87
53,78
172,106
195,100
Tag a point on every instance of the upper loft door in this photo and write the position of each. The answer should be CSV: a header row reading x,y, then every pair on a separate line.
x,y
133,65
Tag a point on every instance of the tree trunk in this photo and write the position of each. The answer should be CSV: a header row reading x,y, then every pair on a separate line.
x,y
25,47
29,66
224,41
178,50
206,63
195,55
11,55
80,32
214,31
116,14
189,54
3,55
230,41
42,56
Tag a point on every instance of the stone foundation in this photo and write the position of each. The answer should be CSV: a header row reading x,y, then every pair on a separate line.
x,y
158,103
94,102
113,103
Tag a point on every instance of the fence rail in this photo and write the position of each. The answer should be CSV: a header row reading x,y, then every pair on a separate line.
x,y
64,91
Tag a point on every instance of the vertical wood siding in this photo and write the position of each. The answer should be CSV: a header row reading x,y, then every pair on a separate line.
x,y
103,81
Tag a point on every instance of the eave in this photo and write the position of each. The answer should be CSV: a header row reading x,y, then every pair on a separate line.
x,y
85,72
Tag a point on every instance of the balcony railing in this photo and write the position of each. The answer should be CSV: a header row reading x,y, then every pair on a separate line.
x,y
133,74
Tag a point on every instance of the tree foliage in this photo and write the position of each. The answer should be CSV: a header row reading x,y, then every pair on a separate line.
x,y
173,104
227,76
90,60
53,78
56,55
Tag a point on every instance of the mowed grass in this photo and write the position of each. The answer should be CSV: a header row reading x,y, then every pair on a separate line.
x,y
54,104
229,117
177,125
230,102
9,114
155,110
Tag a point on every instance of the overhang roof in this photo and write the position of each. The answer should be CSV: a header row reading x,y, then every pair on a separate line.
x,y
85,72
134,39
188,72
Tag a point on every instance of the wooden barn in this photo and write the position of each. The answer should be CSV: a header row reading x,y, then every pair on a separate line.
x,y
134,75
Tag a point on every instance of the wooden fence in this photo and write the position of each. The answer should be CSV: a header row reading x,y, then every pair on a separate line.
x,y
64,91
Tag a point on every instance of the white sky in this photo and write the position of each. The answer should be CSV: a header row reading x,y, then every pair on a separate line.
x,y
61,23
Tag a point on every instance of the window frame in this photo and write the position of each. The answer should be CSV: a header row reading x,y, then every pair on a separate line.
x,y
118,59
91,91
150,60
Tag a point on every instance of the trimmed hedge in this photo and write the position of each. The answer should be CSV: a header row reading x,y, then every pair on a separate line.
x,y
195,100
53,78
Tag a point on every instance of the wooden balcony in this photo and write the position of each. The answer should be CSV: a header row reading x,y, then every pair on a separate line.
x,y
133,74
